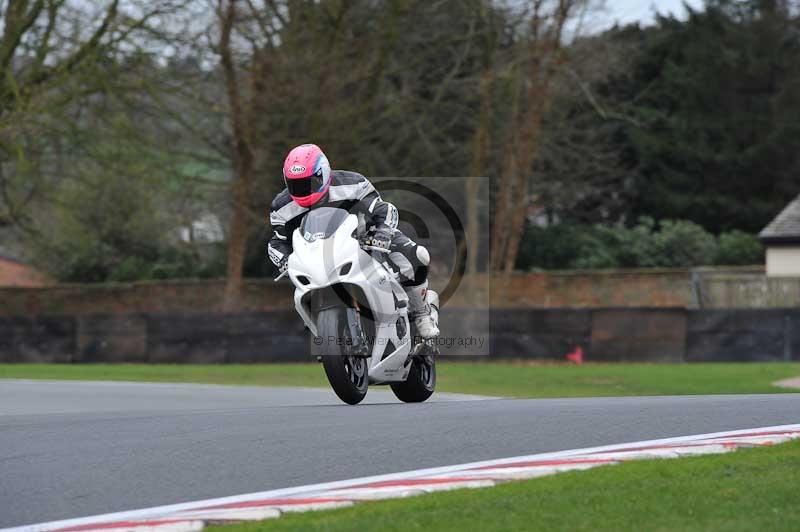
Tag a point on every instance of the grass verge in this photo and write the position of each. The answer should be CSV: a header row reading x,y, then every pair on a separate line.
x,y
750,489
510,379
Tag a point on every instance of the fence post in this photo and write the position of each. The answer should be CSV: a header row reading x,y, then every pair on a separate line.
x,y
698,288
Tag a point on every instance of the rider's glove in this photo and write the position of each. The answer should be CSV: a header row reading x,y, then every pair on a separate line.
x,y
381,238
284,264
279,259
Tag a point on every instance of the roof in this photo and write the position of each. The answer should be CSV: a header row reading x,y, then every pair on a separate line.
x,y
785,228
4,255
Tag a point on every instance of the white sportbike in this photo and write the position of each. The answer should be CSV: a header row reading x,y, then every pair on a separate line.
x,y
350,298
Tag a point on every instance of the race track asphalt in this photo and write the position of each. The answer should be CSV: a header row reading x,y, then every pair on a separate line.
x,y
71,449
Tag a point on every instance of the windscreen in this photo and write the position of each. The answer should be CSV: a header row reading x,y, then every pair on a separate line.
x,y
322,223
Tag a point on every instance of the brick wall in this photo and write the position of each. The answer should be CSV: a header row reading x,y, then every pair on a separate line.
x,y
609,288
151,296
13,273
633,288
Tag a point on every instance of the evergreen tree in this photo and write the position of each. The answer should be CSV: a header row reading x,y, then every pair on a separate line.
x,y
719,102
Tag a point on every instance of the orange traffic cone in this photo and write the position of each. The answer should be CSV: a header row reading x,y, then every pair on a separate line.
x,y
576,356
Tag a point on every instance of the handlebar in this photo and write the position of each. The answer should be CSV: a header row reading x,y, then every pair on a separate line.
x,y
374,248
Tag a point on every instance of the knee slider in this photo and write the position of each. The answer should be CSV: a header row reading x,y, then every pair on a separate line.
x,y
392,216
423,256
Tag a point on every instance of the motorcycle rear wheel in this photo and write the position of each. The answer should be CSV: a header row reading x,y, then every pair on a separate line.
x,y
347,374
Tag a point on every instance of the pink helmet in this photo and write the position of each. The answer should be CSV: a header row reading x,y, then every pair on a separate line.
x,y
307,174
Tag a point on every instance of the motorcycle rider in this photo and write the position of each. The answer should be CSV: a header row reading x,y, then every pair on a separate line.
x,y
310,183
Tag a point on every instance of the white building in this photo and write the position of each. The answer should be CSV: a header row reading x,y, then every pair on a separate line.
x,y
205,230
782,240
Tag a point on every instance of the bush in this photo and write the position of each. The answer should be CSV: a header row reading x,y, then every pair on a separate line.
x,y
668,244
737,248
676,244
553,247
118,228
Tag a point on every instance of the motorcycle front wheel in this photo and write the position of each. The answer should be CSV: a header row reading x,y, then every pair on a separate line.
x,y
347,374
420,383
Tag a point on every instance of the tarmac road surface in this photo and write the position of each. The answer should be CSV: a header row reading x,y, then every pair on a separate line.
x,y
71,449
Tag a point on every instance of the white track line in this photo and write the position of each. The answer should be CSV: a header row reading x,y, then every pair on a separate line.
x,y
184,517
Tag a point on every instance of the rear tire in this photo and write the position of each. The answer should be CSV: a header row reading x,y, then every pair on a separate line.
x,y
347,374
421,381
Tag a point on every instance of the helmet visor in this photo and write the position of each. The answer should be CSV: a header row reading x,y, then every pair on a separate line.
x,y
305,186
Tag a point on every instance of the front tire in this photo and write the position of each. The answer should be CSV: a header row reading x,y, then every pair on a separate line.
x,y
347,374
420,383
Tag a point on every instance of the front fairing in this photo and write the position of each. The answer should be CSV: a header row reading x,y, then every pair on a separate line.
x,y
317,263
340,259
321,260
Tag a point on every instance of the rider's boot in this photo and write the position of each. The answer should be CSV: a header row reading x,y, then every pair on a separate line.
x,y
420,311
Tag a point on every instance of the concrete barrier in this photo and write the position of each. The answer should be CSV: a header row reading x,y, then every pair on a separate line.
x,y
739,335
638,335
38,339
604,335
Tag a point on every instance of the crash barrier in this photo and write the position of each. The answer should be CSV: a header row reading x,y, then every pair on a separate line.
x,y
602,335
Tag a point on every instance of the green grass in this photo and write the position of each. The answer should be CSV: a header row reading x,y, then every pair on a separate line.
x,y
750,489
256,374
512,379
590,380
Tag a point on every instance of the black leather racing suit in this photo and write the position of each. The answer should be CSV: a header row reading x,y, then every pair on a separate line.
x,y
354,193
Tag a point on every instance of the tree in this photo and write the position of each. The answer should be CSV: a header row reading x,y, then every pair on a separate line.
x,y
241,116
583,167
55,56
719,107
386,88
126,191
537,56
